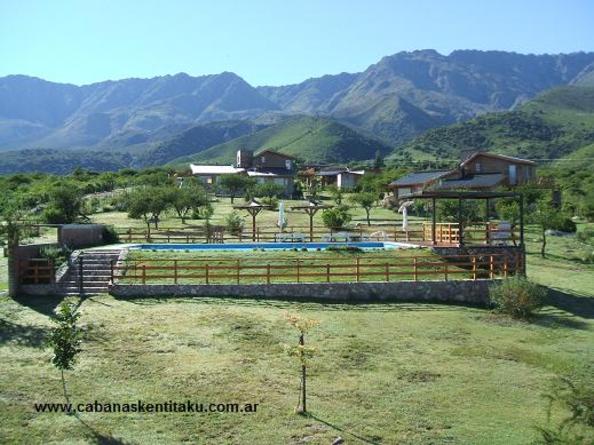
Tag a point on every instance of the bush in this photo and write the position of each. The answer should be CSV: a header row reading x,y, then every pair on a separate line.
x,y
55,254
110,236
272,202
517,297
586,235
234,223
336,217
563,224
345,249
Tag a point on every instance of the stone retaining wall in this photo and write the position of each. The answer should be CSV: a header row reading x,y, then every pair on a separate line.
x,y
459,291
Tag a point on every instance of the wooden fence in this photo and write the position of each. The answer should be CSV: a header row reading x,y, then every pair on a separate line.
x,y
445,234
36,271
368,268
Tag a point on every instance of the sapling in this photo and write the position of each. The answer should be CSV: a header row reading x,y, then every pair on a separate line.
x,y
64,338
302,353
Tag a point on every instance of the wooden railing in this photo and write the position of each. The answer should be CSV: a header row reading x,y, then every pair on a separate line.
x,y
36,271
359,269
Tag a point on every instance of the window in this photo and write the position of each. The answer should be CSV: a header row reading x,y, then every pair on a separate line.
x,y
263,159
477,167
288,164
513,179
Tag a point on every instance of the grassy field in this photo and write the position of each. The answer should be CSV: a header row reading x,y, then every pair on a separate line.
x,y
386,374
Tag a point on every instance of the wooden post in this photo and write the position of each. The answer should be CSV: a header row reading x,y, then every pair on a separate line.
x,y
175,271
474,268
206,277
311,217
460,229
433,221
238,268
144,274
445,270
327,273
505,266
415,272
517,266
268,273
298,271
387,272
491,267
358,270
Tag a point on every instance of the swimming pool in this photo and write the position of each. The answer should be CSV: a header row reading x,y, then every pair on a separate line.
x,y
272,246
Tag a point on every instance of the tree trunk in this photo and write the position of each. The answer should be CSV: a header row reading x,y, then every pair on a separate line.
x,y
544,243
303,399
368,220
148,230
66,396
232,197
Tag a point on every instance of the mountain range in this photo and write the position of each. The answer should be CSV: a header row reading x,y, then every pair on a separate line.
x,y
140,122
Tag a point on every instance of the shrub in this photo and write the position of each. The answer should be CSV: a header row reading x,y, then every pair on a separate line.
x,y
517,297
110,236
234,223
563,224
55,254
345,249
272,202
586,235
336,217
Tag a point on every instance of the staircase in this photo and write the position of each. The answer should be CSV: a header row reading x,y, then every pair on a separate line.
x,y
89,272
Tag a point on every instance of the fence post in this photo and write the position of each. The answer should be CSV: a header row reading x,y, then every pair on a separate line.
x,y
238,266
445,270
387,272
505,266
415,276
268,273
175,271
144,274
517,263
298,271
206,273
491,267
358,269
474,268
327,273
111,264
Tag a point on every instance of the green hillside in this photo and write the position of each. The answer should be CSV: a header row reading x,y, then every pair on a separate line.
x,y
311,139
553,125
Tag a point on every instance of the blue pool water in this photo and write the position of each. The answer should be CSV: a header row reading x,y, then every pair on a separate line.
x,y
270,246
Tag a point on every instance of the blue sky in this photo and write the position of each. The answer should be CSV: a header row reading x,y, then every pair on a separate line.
x,y
269,42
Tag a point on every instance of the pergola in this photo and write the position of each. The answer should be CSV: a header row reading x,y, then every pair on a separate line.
x,y
311,209
434,195
253,208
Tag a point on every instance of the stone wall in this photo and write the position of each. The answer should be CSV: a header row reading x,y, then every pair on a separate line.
x,y
459,291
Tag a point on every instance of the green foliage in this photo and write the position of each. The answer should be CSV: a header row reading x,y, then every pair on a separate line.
x,y
65,337
188,199
268,190
234,223
56,254
336,217
336,193
517,297
450,210
508,210
110,235
366,200
148,203
234,185
65,204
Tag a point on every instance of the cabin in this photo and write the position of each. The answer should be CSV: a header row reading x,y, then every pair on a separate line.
x,y
343,178
264,166
478,171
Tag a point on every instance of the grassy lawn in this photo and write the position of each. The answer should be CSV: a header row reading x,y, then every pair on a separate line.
x,y
388,374
3,273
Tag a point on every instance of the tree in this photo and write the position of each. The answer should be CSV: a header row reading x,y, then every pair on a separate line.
x,y
546,217
234,184
268,190
302,353
336,193
366,200
186,199
65,340
65,204
148,203
336,217
378,162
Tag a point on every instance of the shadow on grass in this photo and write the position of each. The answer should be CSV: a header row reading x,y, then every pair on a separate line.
x,y
304,303
23,335
44,305
575,304
100,438
345,432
